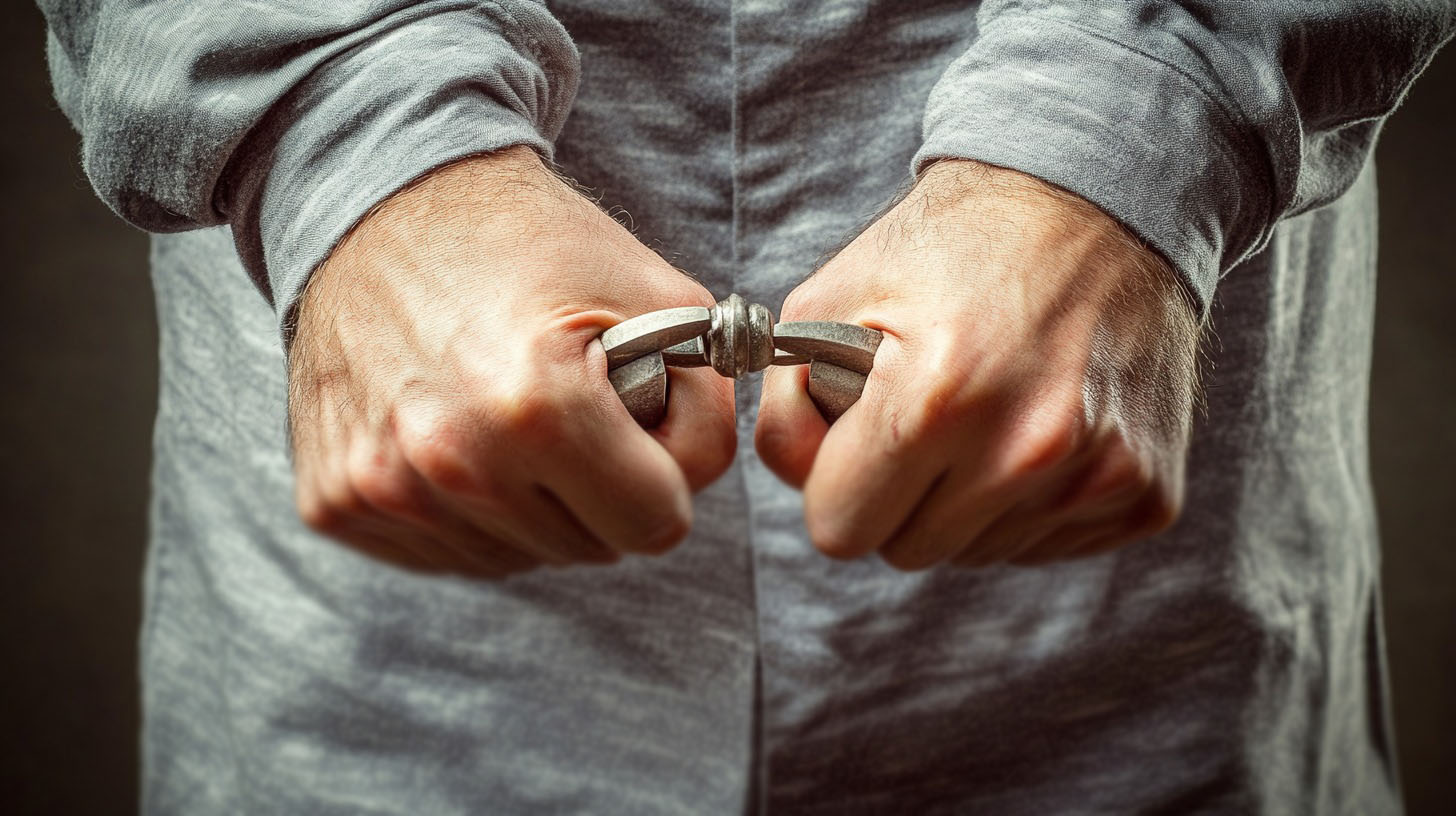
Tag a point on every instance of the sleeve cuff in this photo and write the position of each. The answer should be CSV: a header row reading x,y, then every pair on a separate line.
x,y
381,115
1114,125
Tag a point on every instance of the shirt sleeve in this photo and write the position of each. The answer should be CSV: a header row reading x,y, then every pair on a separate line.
x,y
291,119
1199,125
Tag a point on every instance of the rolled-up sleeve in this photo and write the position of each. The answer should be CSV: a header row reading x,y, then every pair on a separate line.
x,y
290,120
1199,125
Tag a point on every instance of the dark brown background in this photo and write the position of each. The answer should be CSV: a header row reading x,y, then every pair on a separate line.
x,y
78,372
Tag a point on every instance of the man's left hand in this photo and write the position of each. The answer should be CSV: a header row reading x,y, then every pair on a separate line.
x,y
1031,399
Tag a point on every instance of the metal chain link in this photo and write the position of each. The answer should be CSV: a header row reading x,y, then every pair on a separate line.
x,y
734,338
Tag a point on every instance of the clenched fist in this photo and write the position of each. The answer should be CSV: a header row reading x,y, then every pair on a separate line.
x,y
1031,398
449,400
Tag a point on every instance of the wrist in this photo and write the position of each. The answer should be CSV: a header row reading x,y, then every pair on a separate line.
x,y
965,188
1065,232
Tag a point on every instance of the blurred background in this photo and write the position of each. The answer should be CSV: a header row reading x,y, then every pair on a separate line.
x,y
78,377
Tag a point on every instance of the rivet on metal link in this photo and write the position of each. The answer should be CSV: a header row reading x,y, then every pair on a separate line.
x,y
740,340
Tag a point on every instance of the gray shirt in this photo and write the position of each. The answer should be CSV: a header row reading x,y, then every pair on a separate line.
x,y
1232,664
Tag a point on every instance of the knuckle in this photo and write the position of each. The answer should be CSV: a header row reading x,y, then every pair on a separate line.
x,y
835,541
436,452
344,500
1121,471
1160,510
1043,446
794,303
942,405
385,488
802,302
317,514
526,413
690,291
839,549
667,533
957,389
916,421
331,506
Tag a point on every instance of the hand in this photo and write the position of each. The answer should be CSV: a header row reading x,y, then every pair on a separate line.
x,y
449,401
1032,396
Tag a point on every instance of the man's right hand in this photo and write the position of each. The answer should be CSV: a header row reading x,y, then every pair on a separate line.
x,y
449,401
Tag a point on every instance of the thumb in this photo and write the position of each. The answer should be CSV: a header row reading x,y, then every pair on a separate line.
x,y
699,430
789,429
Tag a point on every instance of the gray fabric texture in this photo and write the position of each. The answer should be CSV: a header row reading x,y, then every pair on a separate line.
x,y
1233,664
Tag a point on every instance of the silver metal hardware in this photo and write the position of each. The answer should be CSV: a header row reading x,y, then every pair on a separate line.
x,y
735,338
840,357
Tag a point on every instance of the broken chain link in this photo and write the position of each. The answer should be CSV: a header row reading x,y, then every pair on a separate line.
x,y
734,338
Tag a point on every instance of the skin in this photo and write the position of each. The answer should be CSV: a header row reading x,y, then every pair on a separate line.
x,y
1032,396
1030,402
449,401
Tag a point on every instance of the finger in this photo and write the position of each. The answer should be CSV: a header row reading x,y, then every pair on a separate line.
x,y
563,525
868,476
477,558
1148,517
383,547
1091,488
954,514
1021,526
539,525
620,483
379,529
1025,523
397,494
987,491
1099,528
1064,543
789,428
700,430
442,542
1028,535
394,544
329,504
1095,546
470,549
521,526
